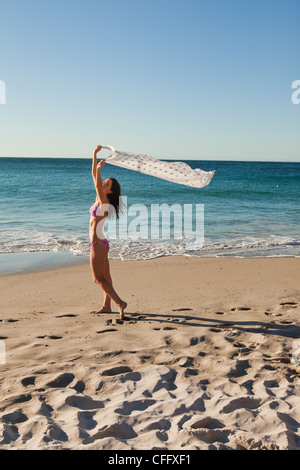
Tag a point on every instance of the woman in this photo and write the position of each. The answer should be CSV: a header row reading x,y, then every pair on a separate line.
x,y
108,193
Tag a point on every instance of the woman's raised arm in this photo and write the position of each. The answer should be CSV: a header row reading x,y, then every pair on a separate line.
x,y
94,167
98,183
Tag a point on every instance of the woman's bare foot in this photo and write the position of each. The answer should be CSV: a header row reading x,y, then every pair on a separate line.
x,y
104,310
121,308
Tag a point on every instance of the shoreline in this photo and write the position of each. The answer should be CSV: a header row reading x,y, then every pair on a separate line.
x,y
40,261
33,261
204,360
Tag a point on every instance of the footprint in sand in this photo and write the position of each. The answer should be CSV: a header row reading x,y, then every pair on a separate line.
x,y
84,402
182,309
137,405
28,381
271,383
290,304
15,400
49,337
167,380
239,369
79,386
209,430
121,431
15,417
86,419
186,361
117,370
242,402
70,315
54,432
281,309
233,309
61,381
286,322
248,385
243,348
188,372
107,330
45,409
208,423
157,328
162,436
161,425
272,314
10,434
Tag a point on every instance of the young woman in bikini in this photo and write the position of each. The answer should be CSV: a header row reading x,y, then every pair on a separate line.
x,y
107,198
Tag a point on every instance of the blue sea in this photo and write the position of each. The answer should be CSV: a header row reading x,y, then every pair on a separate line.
x,y
251,209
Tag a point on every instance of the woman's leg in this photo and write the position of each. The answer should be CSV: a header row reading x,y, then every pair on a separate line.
x,y
98,263
107,299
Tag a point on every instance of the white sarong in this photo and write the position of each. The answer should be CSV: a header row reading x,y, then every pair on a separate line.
x,y
176,172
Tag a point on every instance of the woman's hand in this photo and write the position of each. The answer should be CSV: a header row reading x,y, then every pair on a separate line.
x,y
97,149
95,166
101,164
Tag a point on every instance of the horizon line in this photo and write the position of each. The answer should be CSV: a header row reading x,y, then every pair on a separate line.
x,y
165,159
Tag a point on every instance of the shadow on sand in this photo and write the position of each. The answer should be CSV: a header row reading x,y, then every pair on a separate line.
x,y
282,328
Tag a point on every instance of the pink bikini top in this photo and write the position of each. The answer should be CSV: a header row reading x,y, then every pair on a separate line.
x,y
93,209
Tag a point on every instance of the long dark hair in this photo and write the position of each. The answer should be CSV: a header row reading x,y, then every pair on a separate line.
x,y
114,196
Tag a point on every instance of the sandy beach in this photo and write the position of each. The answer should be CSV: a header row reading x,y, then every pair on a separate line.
x,y
207,358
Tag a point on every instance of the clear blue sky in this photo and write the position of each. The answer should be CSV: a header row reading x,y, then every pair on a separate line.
x,y
198,79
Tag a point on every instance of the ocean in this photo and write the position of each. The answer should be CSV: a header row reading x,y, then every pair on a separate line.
x,y
251,209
